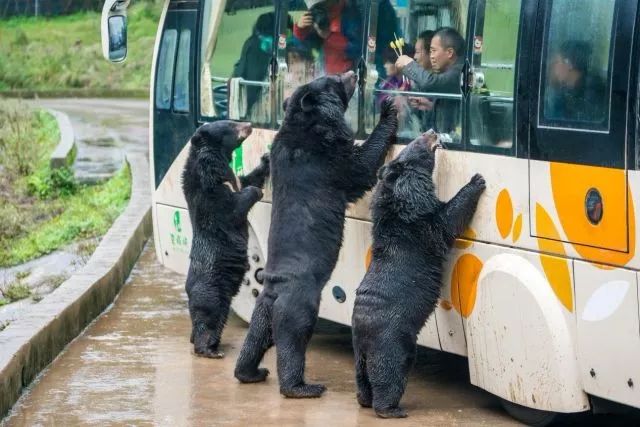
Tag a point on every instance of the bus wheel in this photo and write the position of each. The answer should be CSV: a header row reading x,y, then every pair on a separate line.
x,y
529,416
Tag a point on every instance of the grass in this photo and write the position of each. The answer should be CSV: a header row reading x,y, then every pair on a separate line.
x,y
88,213
38,219
66,52
16,291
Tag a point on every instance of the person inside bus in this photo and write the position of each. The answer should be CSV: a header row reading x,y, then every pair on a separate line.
x,y
423,106
334,27
575,91
255,56
446,54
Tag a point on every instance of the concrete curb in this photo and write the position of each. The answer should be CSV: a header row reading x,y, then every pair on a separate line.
x,y
29,344
65,150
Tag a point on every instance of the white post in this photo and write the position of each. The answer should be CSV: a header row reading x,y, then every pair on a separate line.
x,y
37,7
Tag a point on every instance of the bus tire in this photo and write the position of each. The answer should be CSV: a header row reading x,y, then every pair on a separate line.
x,y
529,416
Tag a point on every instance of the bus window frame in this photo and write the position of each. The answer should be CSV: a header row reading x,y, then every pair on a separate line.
x,y
473,21
622,124
201,119
187,77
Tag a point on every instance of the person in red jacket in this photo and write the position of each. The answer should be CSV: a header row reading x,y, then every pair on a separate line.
x,y
333,26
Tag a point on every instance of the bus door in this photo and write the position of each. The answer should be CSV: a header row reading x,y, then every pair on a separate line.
x,y
583,82
579,127
174,121
174,86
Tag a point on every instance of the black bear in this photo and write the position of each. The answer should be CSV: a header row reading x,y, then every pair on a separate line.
x,y
316,170
218,211
412,234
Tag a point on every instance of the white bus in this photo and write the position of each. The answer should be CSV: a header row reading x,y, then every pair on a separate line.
x,y
541,293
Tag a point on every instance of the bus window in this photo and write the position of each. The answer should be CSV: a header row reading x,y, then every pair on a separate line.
x,y
576,65
165,69
491,106
326,38
237,46
181,83
426,89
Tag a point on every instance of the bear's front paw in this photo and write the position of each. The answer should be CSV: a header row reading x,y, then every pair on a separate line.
x,y
265,159
478,181
388,110
257,192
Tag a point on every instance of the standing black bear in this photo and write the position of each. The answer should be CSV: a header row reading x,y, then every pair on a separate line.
x,y
412,234
220,232
316,170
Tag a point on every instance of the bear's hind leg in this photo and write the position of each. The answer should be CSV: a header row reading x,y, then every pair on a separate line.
x,y
209,310
388,370
364,395
294,317
257,342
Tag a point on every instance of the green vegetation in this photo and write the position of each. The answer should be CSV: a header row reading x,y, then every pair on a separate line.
x,y
66,52
14,292
44,209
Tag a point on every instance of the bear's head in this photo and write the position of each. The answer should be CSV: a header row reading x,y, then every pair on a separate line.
x,y
406,183
320,97
222,136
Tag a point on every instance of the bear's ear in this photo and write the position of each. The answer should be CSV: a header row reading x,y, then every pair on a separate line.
x,y
197,139
285,104
307,102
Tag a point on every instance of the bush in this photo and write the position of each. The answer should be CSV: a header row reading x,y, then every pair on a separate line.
x,y
52,183
19,149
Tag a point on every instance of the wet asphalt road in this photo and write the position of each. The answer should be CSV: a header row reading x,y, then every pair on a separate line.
x,y
134,365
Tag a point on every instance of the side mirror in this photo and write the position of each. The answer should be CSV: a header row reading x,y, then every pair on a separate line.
x,y
114,30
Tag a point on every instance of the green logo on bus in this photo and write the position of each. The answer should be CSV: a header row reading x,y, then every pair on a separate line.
x,y
237,165
176,221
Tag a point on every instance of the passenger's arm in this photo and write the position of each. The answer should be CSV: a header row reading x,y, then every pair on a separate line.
x,y
449,81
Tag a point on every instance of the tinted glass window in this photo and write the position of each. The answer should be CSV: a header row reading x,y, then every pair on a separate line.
x,y
165,69
181,85
576,66
325,38
425,82
491,101
236,53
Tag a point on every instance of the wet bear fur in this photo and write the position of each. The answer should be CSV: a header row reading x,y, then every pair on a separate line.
x,y
413,232
317,169
218,211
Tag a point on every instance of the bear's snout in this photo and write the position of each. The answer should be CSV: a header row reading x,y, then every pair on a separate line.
x,y
244,129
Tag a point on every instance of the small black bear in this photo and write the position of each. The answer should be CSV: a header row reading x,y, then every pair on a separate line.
x,y
316,169
412,233
218,211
